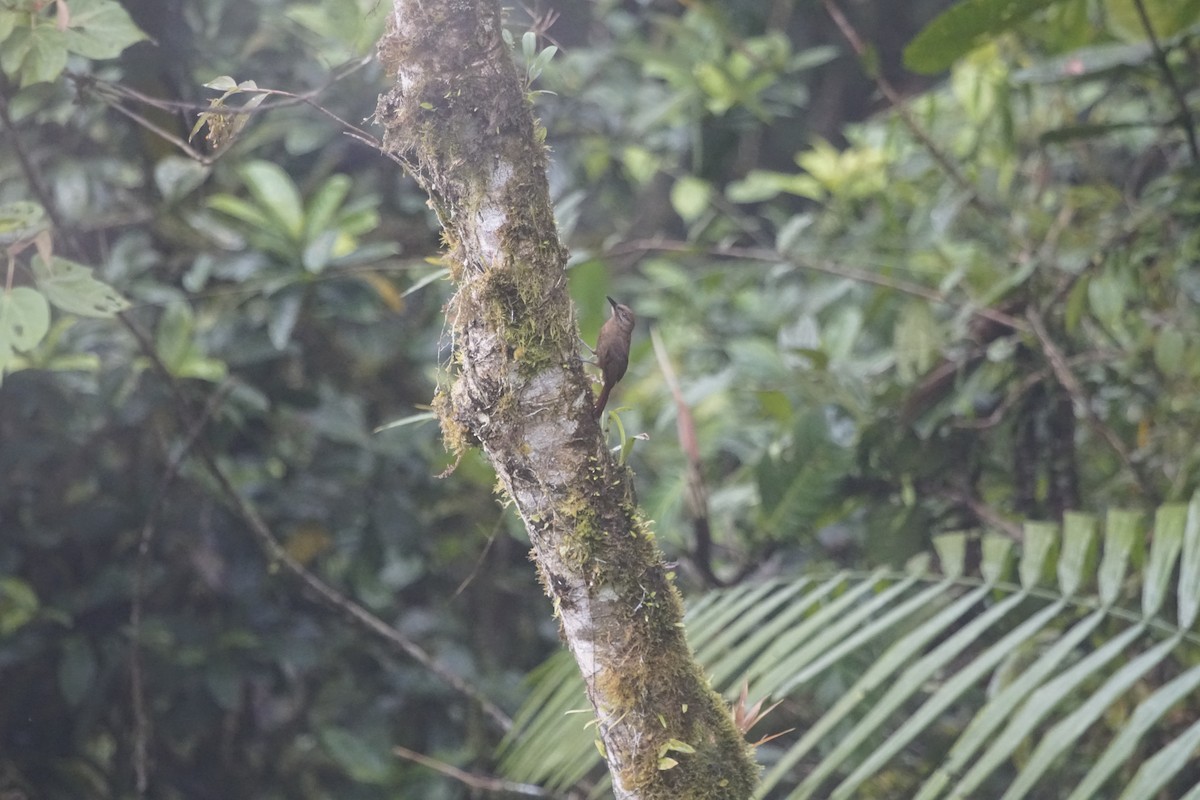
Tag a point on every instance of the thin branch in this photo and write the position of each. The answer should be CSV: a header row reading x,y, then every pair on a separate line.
x,y
141,721
983,512
775,257
328,596
32,174
1064,375
906,115
164,134
1186,121
484,783
1028,382
115,94
487,548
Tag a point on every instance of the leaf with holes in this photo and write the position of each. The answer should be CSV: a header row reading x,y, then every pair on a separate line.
x,y
72,288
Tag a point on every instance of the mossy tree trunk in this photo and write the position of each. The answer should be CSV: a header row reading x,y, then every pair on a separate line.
x,y
457,116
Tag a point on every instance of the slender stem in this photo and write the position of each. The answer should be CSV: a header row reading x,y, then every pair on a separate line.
x,y
32,174
326,595
484,783
906,115
1062,372
141,720
1186,121
775,257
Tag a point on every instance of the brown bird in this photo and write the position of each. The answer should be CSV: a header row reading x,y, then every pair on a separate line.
x,y
612,349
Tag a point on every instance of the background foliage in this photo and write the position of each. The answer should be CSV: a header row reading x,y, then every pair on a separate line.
x,y
887,321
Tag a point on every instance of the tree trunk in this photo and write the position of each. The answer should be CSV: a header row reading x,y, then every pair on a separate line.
x,y
458,118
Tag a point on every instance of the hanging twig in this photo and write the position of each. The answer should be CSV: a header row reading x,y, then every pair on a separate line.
x,y
776,257
141,721
1186,121
1064,375
327,596
906,115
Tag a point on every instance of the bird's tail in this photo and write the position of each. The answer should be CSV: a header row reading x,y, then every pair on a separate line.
x,y
602,400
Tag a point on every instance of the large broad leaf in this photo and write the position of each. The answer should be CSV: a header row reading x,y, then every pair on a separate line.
x,y
1016,674
964,27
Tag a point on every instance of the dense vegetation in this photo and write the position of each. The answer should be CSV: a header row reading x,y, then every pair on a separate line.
x,y
888,302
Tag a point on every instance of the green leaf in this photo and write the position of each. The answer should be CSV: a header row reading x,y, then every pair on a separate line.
x,y
916,340
1167,17
1106,296
1002,704
24,319
1170,352
71,287
34,55
539,63
1120,534
285,311
224,83
1189,567
1059,739
173,337
76,670
1079,533
18,605
276,194
997,550
689,197
1039,706
239,209
1164,765
1040,538
324,203
361,761
20,220
100,29
1169,524
797,484
949,693
1124,744
796,646
900,690
8,22
952,553
320,250
962,28
176,176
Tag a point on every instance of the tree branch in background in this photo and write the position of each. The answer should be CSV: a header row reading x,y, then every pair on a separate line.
x,y
325,594
1186,121
141,721
485,783
1064,375
898,103
837,270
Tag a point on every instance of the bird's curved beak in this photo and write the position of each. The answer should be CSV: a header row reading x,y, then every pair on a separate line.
x,y
611,302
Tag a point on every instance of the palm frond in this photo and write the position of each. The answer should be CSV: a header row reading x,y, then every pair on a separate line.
x,y
1080,648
